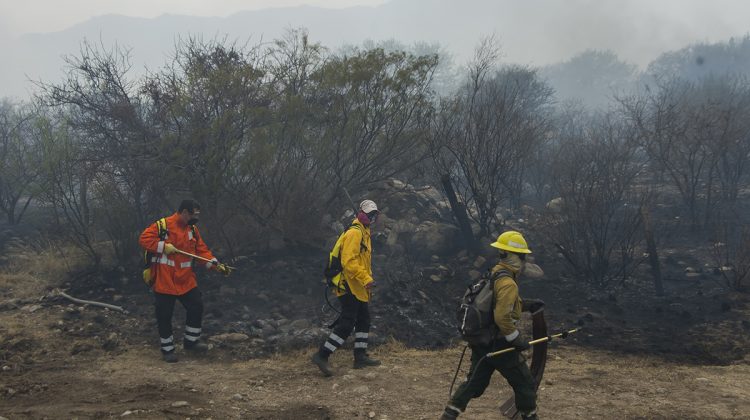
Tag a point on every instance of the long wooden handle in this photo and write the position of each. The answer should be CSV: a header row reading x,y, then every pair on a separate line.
x,y
179,251
533,342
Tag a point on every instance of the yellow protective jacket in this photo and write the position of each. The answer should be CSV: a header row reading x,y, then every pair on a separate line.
x,y
356,260
507,310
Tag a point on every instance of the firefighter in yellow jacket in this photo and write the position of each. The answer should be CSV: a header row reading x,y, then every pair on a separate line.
x,y
353,292
507,312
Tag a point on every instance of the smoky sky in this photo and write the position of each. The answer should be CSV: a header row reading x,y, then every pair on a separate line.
x,y
531,32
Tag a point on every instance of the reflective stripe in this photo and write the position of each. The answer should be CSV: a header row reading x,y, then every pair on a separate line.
x,y
163,260
191,338
190,234
456,409
167,348
192,329
166,261
329,346
336,338
360,345
361,335
512,336
516,245
167,340
160,247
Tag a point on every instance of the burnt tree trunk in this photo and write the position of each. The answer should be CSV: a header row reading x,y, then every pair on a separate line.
x,y
653,256
459,212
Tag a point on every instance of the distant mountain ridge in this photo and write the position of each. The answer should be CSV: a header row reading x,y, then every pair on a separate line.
x,y
535,32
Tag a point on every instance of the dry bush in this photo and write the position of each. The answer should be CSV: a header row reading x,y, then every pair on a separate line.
x,y
732,254
31,269
597,226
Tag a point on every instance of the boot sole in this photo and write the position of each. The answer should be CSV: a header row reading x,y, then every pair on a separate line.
x,y
365,366
317,362
175,360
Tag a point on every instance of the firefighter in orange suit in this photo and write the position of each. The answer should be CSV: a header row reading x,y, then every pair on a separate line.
x,y
174,276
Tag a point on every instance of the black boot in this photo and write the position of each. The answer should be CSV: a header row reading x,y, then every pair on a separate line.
x,y
450,414
195,346
362,360
322,364
170,357
530,416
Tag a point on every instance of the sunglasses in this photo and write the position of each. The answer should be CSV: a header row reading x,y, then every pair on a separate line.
x,y
372,215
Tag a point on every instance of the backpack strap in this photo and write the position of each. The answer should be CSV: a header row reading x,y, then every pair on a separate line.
x,y
161,224
361,243
492,279
501,273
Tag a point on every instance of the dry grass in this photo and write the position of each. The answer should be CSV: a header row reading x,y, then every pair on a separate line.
x,y
31,270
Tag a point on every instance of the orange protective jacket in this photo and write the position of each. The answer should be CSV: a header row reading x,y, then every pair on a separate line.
x,y
174,273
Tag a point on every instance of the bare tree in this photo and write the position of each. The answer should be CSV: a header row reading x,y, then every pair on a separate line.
x,y
19,159
375,109
67,184
597,226
695,133
486,134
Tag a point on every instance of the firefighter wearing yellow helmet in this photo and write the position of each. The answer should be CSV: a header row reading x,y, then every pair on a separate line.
x,y
507,312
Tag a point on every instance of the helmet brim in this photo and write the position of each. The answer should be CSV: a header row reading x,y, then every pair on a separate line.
x,y
510,248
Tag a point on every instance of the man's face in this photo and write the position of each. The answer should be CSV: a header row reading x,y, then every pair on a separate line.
x,y
190,218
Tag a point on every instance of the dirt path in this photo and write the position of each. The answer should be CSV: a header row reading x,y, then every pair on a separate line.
x,y
579,383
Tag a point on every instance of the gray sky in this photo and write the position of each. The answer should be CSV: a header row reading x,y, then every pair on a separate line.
x,y
28,16
531,32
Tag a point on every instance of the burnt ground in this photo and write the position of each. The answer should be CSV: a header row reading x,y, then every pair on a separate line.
x,y
278,303
60,359
697,321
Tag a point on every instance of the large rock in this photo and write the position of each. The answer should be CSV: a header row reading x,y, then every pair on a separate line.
x,y
431,238
555,205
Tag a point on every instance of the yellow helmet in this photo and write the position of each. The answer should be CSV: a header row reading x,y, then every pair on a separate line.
x,y
511,241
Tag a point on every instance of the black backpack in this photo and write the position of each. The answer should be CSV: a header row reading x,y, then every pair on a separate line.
x,y
475,316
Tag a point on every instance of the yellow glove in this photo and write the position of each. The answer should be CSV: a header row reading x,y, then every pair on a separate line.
x,y
169,249
223,269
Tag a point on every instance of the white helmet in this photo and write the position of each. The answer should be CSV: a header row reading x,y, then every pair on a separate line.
x,y
367,206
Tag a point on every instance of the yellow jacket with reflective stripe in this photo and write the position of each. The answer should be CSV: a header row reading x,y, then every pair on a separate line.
x,y
507,311
356,260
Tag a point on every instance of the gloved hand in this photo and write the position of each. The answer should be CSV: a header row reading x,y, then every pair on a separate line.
x,y
520,343
169,249
223,269
532,305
